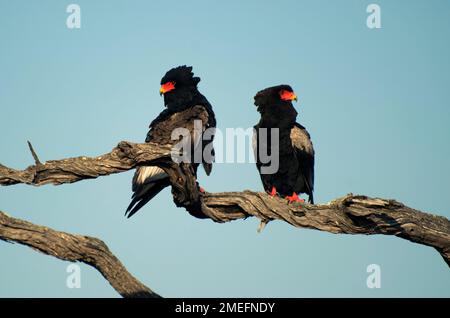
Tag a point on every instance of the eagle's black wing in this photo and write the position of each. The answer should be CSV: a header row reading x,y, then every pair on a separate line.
x,y
148,181
261,144
304,152
256,153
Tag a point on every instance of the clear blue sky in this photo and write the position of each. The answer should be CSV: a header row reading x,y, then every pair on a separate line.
x,y
376,103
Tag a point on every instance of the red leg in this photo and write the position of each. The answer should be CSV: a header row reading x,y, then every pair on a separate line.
x,y
294,198
273,192
201,190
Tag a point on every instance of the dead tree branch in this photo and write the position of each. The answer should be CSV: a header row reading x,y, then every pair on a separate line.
x,y
352,214
74,248
124,157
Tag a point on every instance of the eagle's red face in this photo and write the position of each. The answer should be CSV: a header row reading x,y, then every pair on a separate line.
x,y
166,87
287,95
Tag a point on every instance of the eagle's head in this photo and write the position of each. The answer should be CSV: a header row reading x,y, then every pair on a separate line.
x,y
179,87
275,103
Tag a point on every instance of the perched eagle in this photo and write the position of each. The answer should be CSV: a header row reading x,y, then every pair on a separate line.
x,y
295,173
185,105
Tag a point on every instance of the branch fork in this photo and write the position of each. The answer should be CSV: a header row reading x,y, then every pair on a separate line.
x,y
351,214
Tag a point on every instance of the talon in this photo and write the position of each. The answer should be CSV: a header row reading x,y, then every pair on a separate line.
x,y
273,192
294,198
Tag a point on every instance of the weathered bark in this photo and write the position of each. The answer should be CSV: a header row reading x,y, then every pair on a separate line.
x,y
352,214
124,157
74,248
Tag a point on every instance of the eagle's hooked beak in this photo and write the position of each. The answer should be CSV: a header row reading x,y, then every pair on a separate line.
x,y
166,87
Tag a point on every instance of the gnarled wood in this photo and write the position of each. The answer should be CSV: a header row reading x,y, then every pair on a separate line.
x,y
351,214
74,248
124,157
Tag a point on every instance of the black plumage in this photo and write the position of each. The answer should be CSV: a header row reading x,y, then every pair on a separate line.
x,y
295,174
184,105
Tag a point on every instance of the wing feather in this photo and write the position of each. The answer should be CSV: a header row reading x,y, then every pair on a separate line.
x,y
304,151
148,174
150,180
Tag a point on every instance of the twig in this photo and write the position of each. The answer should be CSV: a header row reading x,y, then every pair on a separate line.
x,y
33,153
